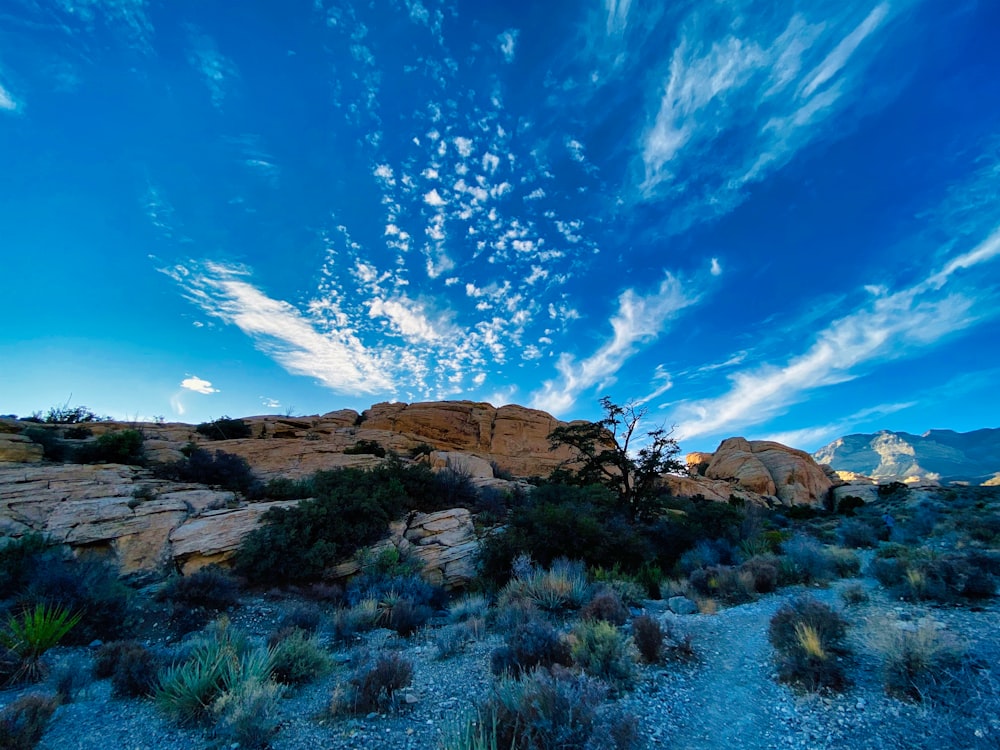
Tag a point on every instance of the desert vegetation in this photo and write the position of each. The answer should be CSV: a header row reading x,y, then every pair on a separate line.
x,y
598,599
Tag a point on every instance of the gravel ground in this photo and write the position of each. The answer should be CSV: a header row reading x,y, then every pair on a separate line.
x,y
726,697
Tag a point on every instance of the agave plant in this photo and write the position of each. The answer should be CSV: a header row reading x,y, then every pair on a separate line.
x,y
33,633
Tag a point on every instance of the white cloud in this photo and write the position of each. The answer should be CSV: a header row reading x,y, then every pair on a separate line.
x,y
765,91
407,318
716,268
812,438
337,360
433,198
7,101
888,327
639,320
217,70
196,384
617,15
464,146
270,403
575,149
508,44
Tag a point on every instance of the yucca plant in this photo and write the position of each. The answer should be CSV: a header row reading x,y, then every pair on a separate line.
x,y
33,633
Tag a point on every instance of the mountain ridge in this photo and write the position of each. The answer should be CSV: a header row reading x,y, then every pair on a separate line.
x,y
937,455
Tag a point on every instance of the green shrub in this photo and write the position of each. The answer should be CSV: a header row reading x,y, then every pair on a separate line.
x,y
808,637
365,448
351,509
468,607
33,633
856,534
375,686
281,488
210,587
600,650
451,640
534,643
219,469
854,594
298,659
561,588
224,428
247,715
849,504
53,448
132,668
553,710
23,722
119,447
19,560
914,660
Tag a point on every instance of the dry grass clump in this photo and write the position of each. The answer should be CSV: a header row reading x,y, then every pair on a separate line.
x,y
23,722
374,686
808,638
915,657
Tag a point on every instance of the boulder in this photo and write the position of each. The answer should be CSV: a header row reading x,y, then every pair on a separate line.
x,y
681,605
771,469
473,467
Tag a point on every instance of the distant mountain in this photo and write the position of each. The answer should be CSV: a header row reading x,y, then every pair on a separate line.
x,y
937,455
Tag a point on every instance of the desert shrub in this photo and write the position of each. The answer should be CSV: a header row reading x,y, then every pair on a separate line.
x,y
723,582
600,650
23,722
210,587
468,607
374,686
221,663
558,520
298,659
513,613
605,605
649,637
854,594
808,637
70,677
351,508
553,710
118,447
219,469
88,586
365,448
347,622
627,586
247,715
131,667
893,491
849,504
282,488
19,559
224,428
535,643
407,617
561,588
67,414
914,660
919,575
451,639
706,554
856,534
763,572
808,561
304,617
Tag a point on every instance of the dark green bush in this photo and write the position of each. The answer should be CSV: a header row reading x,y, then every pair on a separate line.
x,y
600,650
88,586
119,447
281,488
365,448
224,428
535,643
19,561
351,508
218,469
298,659
22,723
210,587
808,638
135,671
53,448
856,534
553,710
374,687
849,504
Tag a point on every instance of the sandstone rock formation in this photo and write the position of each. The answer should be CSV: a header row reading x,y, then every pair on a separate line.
x,y
768,470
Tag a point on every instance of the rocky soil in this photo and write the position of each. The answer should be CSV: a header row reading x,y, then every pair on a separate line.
x,y
727,696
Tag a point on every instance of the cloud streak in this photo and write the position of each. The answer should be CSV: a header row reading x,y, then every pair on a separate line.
x,y
198,385
734,108
639,320
890,327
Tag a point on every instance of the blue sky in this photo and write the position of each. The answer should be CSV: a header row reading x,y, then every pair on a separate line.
x,y
778,220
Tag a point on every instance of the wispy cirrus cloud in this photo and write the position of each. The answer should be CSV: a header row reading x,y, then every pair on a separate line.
x,y
811,438
638,320
217,70
7,101
733,107
890,326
